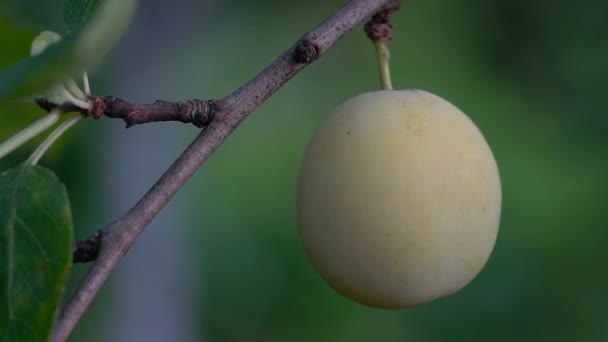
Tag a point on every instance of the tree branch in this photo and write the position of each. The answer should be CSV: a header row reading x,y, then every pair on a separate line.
x,y
197,112
228,112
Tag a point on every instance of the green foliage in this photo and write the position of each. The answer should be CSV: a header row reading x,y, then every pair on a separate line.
x,y
38,72
15,42
35,215
78,12
81,49
35,244
35,15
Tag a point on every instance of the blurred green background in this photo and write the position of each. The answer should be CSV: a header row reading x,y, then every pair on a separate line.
x,y
223,261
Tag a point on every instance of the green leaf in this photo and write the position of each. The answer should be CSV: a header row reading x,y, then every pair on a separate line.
x,y
78,12
83,48
33,15
15,42
35,251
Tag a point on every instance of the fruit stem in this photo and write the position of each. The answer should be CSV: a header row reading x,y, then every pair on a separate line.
x,y
384,57
46,144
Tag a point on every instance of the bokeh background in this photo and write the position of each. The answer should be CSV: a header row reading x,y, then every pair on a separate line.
x,y
223,262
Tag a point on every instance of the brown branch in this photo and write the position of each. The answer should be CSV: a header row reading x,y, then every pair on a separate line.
x,y
197,112
228,112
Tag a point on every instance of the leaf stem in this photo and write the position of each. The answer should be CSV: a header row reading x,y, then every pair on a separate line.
x,y
85,83
46,144
74,89
83,104
29,132
384,57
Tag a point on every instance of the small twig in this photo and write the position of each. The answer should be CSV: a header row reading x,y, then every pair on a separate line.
x,y
197,112
87,249
228,112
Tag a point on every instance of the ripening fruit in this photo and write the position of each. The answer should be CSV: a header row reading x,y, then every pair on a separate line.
x,y
398,199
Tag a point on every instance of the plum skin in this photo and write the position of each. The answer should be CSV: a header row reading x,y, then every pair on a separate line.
x,y
398,199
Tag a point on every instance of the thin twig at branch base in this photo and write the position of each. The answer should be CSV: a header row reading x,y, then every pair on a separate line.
x,y
197,112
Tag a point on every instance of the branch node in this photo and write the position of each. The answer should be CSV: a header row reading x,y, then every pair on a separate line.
x,y
99,106
379,26
306,52
198,112
87,250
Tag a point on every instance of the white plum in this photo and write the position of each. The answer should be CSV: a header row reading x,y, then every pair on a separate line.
x,y
398,199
